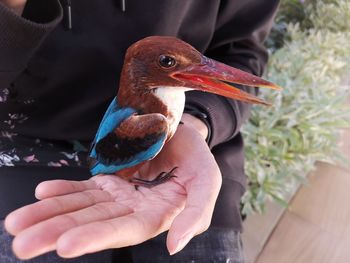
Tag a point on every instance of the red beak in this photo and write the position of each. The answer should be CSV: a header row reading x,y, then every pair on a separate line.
x,y
211,75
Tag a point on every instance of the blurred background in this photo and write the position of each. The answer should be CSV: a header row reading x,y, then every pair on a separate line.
x,y
298,151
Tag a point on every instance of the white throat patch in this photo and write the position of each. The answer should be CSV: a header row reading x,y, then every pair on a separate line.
x,y
174,99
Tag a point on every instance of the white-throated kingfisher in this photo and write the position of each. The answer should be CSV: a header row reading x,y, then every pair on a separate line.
x,y
145,114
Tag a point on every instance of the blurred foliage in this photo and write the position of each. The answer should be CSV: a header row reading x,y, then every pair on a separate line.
x,y
309,60
327,14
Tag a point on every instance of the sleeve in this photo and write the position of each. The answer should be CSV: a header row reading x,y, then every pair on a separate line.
x,y
20,36
237,41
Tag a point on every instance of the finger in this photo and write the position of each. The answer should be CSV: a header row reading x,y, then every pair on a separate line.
x,y
41,238
119,232
62,187
26,216
197,214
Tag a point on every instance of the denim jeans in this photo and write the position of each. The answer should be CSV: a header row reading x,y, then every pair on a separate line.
x,y
214,245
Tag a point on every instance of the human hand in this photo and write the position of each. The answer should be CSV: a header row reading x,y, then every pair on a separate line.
x,y
16,5
105,211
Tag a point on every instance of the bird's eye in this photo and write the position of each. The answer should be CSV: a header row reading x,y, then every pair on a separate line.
x,y
166,61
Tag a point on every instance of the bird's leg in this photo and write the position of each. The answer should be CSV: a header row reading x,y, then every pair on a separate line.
x,y
161,178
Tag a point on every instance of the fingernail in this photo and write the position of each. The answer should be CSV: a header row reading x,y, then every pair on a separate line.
x,y
182,242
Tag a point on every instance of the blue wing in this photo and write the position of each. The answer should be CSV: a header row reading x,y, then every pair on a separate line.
x,y
148,154
113,116
106,158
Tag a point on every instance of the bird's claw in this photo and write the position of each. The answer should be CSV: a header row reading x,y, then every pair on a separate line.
x,y
160,179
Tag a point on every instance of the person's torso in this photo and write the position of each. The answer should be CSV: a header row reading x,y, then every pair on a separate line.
x,y
57,102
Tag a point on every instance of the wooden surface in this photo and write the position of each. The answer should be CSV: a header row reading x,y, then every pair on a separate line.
x,y
316,228
258,228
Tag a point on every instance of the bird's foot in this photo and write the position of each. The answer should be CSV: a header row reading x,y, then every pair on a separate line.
x,y
160,179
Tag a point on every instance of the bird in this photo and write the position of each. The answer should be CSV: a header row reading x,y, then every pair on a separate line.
x,y
147,109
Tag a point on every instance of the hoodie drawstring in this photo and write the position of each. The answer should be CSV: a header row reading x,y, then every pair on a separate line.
x,y
123,6
67,9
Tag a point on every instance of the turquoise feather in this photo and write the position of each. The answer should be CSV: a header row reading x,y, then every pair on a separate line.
x,y
113,117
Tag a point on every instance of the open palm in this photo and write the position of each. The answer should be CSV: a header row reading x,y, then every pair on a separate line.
x,y
106,211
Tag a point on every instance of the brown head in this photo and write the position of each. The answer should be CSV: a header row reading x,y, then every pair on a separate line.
x,y
161,62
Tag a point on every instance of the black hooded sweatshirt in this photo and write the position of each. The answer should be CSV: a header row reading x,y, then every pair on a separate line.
x,y
59,69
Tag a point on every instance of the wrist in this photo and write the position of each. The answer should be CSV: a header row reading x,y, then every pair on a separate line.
x,y
16,5
196,124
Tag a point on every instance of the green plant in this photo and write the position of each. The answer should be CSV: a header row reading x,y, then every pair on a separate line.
x,y
290,11
284,142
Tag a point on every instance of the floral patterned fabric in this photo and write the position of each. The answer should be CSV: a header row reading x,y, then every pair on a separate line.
x,y
20,150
